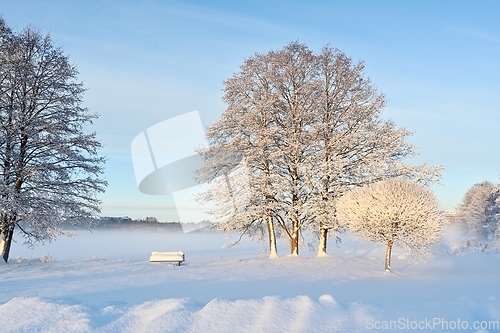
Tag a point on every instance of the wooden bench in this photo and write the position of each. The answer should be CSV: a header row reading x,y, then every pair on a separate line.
x,y
177,257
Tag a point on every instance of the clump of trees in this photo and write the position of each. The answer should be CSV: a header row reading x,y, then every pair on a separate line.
x,y
479,213
50,170
303,128
395,211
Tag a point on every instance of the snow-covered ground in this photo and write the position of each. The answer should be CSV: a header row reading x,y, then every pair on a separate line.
x,y
103,282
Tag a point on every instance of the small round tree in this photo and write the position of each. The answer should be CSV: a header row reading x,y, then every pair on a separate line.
x,y
393,211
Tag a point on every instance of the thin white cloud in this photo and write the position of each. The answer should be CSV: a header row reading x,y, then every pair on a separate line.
x,y
476,33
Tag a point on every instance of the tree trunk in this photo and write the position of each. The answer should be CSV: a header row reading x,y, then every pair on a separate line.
x,y
388,256
2,244
294,249
273,252
7,241
323,236
294,246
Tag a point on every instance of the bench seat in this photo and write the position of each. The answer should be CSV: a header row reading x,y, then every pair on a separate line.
x,y
177,257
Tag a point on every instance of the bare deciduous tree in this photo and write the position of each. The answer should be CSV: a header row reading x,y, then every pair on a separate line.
x,y
49,167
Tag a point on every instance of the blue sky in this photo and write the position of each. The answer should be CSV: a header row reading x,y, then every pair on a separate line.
x,y
146,61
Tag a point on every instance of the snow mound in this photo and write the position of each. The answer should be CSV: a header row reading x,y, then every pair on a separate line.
x,y
327,300
36,315
269,314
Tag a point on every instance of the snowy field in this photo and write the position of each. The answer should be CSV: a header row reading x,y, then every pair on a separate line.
x,y
103,282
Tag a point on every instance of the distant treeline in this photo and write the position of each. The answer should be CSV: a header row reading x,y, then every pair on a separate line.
x,y
150,223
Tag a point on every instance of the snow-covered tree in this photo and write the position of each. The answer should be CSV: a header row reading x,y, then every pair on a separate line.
x,y
479,212
242,204
354,145
308,127
394,211
49,167
265,122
